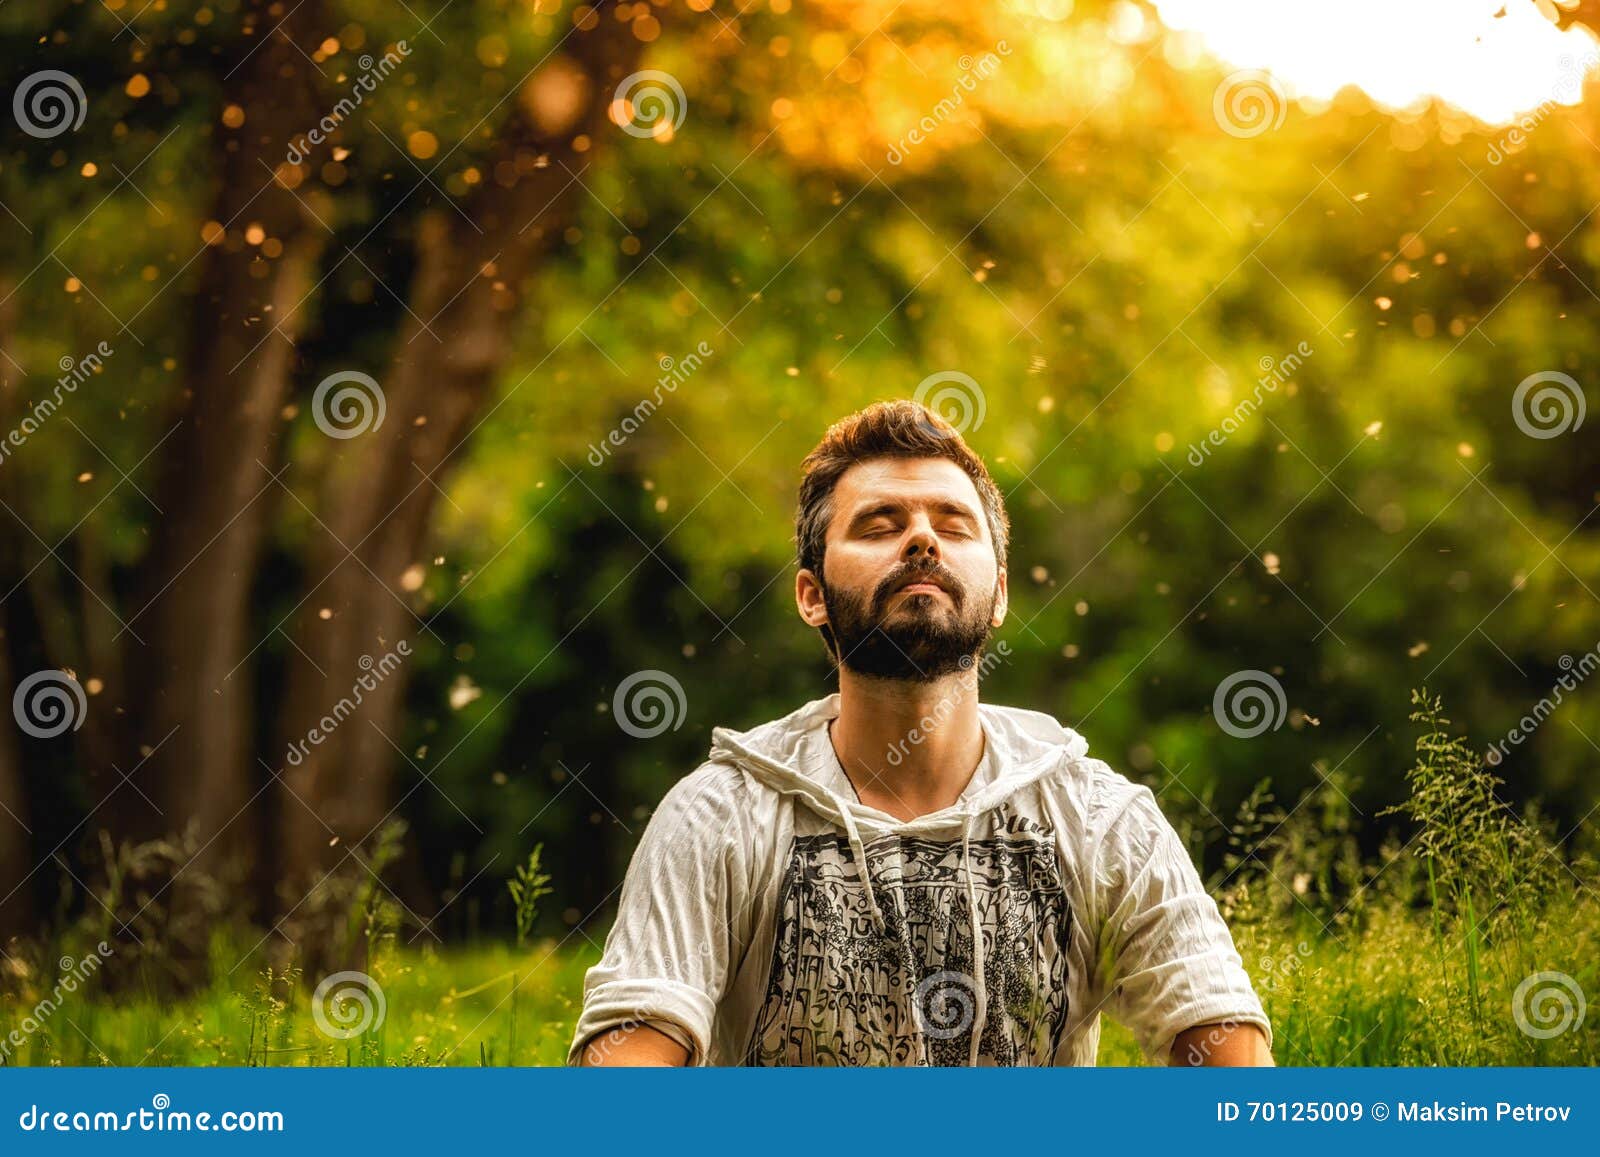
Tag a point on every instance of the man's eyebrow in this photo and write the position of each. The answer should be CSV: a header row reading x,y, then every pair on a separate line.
x,y
894,506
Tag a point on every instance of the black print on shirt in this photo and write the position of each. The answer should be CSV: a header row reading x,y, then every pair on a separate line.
x,y
839,993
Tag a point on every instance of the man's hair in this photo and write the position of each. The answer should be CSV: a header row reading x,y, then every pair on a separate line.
x,y
898,429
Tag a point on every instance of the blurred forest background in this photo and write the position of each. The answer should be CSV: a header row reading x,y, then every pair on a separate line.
x,y
1079,231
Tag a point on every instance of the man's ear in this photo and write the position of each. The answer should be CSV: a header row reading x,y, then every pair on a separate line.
x,y
808,598
1001,601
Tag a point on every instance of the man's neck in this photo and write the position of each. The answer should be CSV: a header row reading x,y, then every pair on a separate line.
x,y
908,748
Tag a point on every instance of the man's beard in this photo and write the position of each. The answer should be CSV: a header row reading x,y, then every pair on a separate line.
x,y
923,641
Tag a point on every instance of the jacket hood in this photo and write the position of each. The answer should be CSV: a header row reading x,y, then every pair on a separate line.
x,y
1020,746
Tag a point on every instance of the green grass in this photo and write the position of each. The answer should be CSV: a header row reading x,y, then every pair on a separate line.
x,y
1382,997
486,1005
1414,958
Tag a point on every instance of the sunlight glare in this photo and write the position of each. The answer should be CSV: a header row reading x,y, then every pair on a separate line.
x,y
1400,52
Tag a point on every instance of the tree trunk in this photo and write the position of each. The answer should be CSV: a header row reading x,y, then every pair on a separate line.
x,y
379,498
16,843
218,491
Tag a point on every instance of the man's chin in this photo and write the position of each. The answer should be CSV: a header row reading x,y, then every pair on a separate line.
x,y
912,659
926,673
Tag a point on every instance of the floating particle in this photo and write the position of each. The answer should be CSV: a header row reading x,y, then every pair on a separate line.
x,y
463,691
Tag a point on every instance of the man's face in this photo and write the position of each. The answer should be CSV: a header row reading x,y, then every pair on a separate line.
x,y
911,585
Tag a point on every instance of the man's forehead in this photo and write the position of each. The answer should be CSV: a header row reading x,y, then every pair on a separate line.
x,y
905,479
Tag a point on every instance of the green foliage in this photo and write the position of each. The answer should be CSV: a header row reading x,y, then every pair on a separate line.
x,y
527,887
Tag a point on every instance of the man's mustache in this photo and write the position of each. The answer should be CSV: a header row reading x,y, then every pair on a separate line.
x,y
906,576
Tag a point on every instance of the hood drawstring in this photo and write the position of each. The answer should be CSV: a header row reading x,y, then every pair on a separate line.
x,y
980,986
859,850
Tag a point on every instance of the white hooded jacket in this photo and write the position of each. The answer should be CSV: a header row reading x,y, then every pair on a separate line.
x,y
993,931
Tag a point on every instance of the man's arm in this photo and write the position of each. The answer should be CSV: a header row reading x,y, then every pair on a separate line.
x,y
1167,963
1227,1043
680,920
633,1046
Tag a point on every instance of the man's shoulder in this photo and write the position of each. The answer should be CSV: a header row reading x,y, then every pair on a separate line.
x,y
1091,793
716,786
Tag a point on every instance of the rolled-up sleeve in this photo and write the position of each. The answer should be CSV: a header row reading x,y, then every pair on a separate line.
x,y
666,961
1167,961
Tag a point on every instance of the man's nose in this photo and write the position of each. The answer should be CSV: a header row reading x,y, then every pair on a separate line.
x,y
921,542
